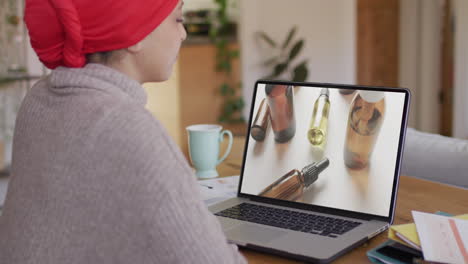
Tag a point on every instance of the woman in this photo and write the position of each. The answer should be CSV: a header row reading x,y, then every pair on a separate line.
x,y
95,178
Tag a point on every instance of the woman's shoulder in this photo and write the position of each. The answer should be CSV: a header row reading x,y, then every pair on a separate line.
x,y
129,122
136,138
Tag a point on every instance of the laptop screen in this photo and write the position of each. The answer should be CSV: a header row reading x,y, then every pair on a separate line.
x,y
325,146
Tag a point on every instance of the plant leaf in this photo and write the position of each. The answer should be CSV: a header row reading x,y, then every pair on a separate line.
x,y
267,39
222,118
296,49
270,61
234,53
239,103
227,67
279,69
291,34
300,72
221,44
232,91
228,109
223,20
223,66
224,89
213,33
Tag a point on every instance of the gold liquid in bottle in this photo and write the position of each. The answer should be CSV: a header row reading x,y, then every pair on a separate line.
x,y
260,124
364,122
317,133
291,185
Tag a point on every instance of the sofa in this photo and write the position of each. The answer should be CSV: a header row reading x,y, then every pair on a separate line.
x,y
436,158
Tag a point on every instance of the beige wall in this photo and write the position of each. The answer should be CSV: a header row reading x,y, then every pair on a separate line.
x,y
163,103
328,28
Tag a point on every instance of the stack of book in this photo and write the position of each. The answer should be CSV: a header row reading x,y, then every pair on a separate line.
x,y
405,245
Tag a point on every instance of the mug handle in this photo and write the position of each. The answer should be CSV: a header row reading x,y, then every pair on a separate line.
x,y
228,150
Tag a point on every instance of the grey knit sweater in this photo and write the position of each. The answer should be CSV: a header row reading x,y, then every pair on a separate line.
x,y
96,179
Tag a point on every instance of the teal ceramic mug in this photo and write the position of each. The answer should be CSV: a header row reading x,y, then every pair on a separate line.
x,y
204,141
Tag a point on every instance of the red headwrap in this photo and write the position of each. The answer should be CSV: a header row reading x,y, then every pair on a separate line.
x,y
63,31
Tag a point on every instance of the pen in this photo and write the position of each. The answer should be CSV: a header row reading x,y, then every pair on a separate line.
x,y
209,187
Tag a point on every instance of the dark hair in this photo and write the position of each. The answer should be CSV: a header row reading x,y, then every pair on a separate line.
x,y
99,57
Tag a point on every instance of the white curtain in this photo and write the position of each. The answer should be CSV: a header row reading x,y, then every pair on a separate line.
x,y
420,57
13,63
10,100
460,126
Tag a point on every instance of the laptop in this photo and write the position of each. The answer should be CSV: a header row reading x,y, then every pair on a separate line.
x,y
320,169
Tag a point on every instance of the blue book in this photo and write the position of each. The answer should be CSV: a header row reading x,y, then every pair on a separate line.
x,y
391,252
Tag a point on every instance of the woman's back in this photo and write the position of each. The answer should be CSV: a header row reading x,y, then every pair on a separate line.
x,y
97,180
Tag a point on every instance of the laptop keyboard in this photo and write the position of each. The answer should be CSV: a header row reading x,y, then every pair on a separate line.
x,y
292,220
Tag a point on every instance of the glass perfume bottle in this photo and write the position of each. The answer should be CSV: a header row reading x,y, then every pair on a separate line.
x,y
280,99
260,124
291,185
364,122
346,91
317,133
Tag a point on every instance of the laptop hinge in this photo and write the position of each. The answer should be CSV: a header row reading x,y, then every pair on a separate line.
x,y
383,228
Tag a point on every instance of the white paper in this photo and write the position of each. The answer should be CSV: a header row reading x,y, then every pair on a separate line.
x,y
218,189
443,239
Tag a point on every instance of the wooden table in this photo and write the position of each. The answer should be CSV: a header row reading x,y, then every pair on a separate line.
x,y
413,194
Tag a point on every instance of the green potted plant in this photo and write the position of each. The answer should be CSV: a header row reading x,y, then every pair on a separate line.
x,y
222,30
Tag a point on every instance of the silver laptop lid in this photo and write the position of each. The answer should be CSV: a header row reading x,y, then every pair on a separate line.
x,y
327,147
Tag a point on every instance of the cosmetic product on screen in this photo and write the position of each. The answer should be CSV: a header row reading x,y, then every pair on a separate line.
x,y
364,121
260,124
317,133
346,91
280,99
291,186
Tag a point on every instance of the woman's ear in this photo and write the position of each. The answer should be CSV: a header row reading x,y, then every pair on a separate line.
x,y
136,47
